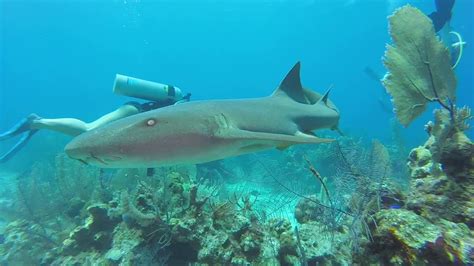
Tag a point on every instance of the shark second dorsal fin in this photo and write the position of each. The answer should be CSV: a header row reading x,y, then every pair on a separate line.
x,y
325,97
291,86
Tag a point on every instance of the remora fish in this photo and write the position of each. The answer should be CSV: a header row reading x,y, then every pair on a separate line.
x,y
203,131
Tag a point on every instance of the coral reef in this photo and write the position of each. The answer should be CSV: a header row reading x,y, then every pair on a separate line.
x,y
94,234
436,224
309,209
442,172
25,243
173,221
401,237
442,194
323,248
345,203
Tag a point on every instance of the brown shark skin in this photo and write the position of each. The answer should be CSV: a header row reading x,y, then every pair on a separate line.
x,y
203,131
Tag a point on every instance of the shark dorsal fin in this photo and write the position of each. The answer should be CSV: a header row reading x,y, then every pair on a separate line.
x,y
325,97
291,86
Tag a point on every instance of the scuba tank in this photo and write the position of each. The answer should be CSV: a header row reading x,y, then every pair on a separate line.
x,y
146,90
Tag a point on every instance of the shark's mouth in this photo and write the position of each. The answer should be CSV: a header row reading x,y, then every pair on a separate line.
x,y
99,160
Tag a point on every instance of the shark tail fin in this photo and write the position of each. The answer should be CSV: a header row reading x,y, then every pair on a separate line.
x,y
291,86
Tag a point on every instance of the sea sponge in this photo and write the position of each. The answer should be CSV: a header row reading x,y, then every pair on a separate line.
x,y
419,65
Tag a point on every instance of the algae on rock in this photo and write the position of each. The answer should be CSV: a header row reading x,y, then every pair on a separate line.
x,y
401,237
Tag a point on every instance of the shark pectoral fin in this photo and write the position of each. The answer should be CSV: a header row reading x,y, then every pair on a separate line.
x,y
303,138
311,138
280,141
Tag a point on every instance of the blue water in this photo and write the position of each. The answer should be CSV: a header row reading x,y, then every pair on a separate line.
x,y
59,58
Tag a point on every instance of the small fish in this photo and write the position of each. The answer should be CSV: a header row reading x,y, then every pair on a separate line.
x,y
255,193
279,223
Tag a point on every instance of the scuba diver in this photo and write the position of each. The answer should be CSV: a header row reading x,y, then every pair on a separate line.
x,y
441,18
443,13
158,95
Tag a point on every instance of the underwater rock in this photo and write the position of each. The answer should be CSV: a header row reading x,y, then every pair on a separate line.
x,y
25,243
125,246
75,206
84,258
457,158
402,237
420,163
443,189
309,209
458,242
138,209
391,196
228,234
240,242
287,247
324,247
125,240
96,233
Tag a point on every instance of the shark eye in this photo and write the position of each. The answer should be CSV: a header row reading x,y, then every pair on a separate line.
x,y
151,122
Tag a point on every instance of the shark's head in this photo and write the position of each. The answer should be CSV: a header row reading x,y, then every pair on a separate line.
x,y
142,140
107,145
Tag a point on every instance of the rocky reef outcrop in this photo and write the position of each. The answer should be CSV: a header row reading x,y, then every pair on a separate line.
x,y
402,237
24,243
174,222
443,189
436,225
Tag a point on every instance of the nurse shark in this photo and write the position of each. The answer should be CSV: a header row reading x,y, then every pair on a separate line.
x,y
203,131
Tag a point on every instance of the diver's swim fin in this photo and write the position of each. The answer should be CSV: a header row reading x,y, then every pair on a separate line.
x,y
22,126
443,13
18,146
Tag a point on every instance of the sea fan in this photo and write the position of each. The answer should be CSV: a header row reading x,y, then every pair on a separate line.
x,y
419,66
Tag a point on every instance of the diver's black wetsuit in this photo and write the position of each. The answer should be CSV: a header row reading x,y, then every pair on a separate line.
x,y
148,106
442,13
